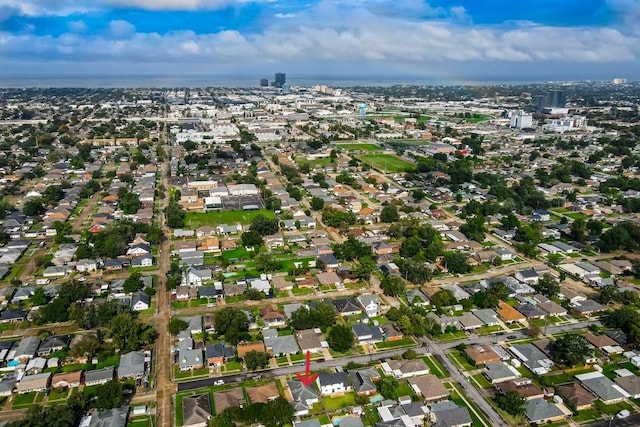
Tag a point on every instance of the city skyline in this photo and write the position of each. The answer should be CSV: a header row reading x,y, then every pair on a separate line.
x,y
452,42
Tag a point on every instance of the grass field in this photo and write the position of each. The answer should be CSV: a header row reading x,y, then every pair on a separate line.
x,y
322,162
194,220
359,147
387,163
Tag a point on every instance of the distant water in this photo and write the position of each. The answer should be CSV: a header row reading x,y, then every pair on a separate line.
x,y
169,81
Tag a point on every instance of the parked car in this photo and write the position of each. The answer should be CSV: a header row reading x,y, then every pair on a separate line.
x,y
218,382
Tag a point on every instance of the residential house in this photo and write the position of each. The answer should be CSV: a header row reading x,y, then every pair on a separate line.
x,y
417,297
52,344
140,301
232,398
116,417
217,354
303,397
333,383
449,414
370,304
329,279
364,379
196,410
481,355
539,412
142,261
605,389
509,314
132,365
27,349
429,387
405,368
263,393
281,346
487,316
273,318
347,307
99,376
497,372
367,333
311,340
31,383
523,386
67,379
532,358
576,396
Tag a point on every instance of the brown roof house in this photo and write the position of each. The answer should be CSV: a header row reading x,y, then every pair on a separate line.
x,y
196,410
481,355
263,393
508,313
576,395
311,340
245,347
523,386
233,398
67,379
429,387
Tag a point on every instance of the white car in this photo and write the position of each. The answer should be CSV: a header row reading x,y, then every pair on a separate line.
x,y
218,382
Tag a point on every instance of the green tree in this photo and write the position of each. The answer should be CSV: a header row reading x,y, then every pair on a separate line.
x,y
266,263
33,207
254,294
317,204
264,225
231,323
548,286
175,215
511,402
570,349
108,395
176,325
475,228
595,227
456,263
443,298
392,285
39,297
133,283
277,413
251,239
389,214
578,229
340,338
130,203
256,360
387,387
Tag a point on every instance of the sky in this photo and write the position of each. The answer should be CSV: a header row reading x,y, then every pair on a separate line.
x,y
455,41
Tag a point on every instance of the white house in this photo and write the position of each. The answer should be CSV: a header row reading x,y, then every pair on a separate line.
x,y
331,383
370,303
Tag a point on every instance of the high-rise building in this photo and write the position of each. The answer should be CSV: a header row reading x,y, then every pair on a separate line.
x,y
281,78
286,89
556,99
264,82
619,81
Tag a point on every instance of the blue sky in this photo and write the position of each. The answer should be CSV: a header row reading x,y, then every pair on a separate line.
x,y
455,41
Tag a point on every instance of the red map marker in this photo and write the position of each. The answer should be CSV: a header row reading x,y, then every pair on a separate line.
x,y
307,379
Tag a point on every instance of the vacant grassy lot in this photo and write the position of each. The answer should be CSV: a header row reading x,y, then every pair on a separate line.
x,y
359,147
321,162
387,163
194,220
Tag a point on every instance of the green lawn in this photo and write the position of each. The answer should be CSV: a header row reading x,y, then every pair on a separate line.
x,y
387,163
194,220
482,381
614,408
335,403
58,394
27,399
406,341
435,367
196,373
110,361
238,253
460,360
586,415
359,147
404,389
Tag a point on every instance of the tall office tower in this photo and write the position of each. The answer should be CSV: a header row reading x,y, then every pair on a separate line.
x,y
264,82
556,99
281,78
286,89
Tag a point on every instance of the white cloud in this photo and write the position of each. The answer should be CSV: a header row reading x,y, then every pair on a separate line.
x,y
77,26
337,36
121,29
285,15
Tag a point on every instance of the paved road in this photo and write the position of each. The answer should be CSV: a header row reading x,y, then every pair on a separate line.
x,y
165,388
289,370
632,421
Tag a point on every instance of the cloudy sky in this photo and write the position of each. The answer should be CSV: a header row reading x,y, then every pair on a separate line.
x,y
452,41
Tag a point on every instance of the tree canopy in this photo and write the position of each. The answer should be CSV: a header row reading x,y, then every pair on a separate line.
x,y
570,349
340,338
231,323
